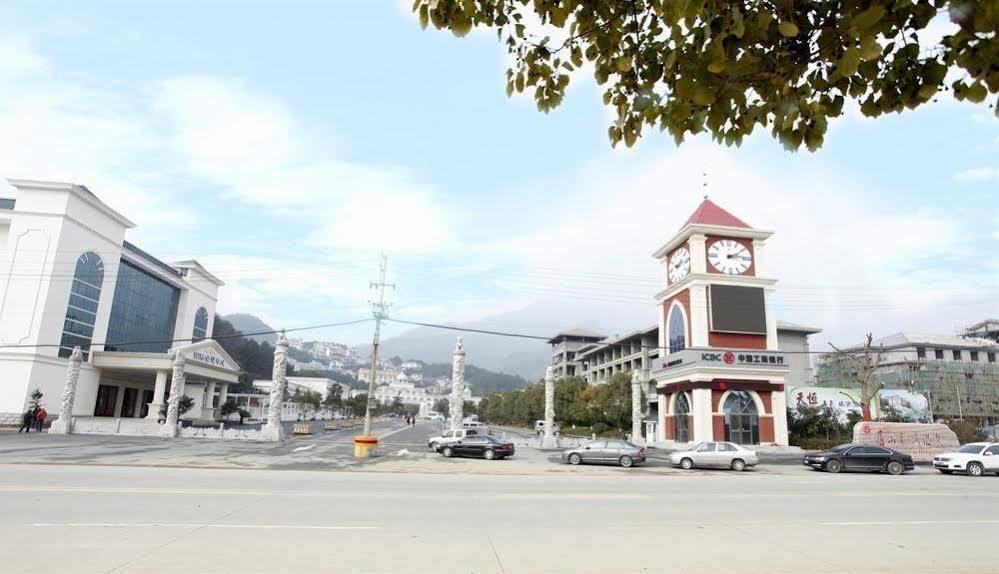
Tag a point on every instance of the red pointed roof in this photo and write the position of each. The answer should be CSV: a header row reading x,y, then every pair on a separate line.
x,y
708,213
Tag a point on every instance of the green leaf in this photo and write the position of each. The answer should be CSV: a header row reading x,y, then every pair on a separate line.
x,y
976,92
788,29
703,96
424,16
847,65
867,18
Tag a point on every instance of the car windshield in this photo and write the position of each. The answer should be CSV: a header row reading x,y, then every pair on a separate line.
x,y
972,448
694,446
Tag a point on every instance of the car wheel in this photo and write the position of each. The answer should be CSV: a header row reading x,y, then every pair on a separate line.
x,y
434,446
625,461
834,466
738,464
489,455
686,464
574,458
975,469
895,468
447,451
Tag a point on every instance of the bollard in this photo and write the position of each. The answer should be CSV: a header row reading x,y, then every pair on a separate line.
x,y
365,446
302,428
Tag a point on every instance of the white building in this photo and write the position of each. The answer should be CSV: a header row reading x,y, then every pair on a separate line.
x,y
320,385
386,375
69,278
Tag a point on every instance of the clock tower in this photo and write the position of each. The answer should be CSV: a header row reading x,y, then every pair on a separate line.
x,y
721,375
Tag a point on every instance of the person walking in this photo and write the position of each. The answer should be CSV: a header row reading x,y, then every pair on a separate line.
x,y
27,419
40,417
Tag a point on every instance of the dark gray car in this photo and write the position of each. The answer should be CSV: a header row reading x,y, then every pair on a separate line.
x,y
610,451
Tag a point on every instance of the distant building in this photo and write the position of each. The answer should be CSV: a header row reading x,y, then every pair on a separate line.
x,y
319,384
565,345
958,375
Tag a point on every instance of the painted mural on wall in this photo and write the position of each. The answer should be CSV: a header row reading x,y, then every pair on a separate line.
x,y
914,407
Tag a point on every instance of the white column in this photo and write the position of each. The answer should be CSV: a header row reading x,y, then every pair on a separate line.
x,y
64,424
169,427
207,410
159,393
698,253
771,318
778,405
223,394
703,419
697,315
759,260
548,440
273,430
636,407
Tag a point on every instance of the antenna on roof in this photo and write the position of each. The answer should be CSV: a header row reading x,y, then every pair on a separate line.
x,y
704,183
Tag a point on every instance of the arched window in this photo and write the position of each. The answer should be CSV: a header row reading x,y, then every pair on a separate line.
x,y
81,313
742,421
200,324
681,418
677,330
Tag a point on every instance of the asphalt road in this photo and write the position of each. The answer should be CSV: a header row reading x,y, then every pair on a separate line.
x,y
132,519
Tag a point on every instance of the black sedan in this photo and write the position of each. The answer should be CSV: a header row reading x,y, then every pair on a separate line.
x,y
861,458
484,446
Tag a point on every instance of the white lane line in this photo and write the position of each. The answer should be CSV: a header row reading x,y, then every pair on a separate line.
x,y
569,496
193,525
907,522
301,448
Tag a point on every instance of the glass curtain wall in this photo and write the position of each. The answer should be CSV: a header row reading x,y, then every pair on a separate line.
x,y
143,313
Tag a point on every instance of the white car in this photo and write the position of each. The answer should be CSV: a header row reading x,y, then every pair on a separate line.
x,y
975,458
716,455
452,436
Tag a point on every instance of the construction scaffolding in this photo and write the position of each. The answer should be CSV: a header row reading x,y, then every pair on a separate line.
x,y
955,390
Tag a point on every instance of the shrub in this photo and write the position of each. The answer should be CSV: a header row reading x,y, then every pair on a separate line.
x,y
967,430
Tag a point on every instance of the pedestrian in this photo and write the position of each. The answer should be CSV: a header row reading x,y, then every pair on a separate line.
x,y
40,418
27,419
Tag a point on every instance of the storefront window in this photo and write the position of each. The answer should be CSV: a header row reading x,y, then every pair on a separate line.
x,y
81,313
681,418
143,312
742,421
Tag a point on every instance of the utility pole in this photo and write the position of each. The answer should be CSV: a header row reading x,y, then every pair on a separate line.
x,y
379,310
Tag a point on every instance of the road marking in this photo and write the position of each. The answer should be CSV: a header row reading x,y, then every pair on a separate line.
x,y
907,522
194,525
390,433
304,448
570,496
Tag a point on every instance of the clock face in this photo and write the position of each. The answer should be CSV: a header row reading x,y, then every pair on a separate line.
x,y
679,265
729,257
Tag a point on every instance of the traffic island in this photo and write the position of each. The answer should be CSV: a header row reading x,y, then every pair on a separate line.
x,y
365,446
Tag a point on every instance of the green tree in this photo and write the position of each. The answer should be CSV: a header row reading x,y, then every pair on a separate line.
x,y
397,407
307,400
729,67
357,405
442,406
334,397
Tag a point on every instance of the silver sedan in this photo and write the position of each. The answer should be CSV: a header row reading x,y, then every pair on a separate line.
x,y
715,455
619,452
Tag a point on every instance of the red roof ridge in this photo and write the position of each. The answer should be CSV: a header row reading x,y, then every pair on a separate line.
x,y
709,213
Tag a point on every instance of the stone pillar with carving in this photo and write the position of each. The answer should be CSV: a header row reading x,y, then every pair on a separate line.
x,y
548,440
457,402
64,424
273,430
169,427
636,407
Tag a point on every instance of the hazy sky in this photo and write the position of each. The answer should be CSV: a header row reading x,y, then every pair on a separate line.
x,y
284,144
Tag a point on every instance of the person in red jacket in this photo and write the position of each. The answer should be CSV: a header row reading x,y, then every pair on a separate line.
x,y
40,418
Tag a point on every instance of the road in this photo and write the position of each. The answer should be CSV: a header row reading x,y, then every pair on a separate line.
x,y
81,519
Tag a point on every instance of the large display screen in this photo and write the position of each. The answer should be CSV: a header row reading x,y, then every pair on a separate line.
x,y
737,309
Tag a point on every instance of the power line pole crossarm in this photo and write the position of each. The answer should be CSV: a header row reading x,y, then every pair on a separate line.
x,y
379,310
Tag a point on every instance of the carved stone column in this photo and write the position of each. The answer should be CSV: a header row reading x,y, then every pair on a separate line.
x,y
548,440
207,409
457,403
273,430
64,424
169,427
636,407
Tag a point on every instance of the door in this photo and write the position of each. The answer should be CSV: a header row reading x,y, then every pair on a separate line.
x,y
147,397
859,458
615,449
594,452
879,457
705,455
107,396
471,445
990,458
128,402
726,453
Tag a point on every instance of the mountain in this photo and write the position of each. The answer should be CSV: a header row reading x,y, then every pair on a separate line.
x,y
514,355
247,323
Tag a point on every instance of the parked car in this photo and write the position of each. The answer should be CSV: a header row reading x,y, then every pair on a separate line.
x,y
449,436
858,457
483,446
715,455
619,452
976,459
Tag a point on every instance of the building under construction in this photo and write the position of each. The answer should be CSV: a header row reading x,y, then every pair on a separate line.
x,y
958,375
